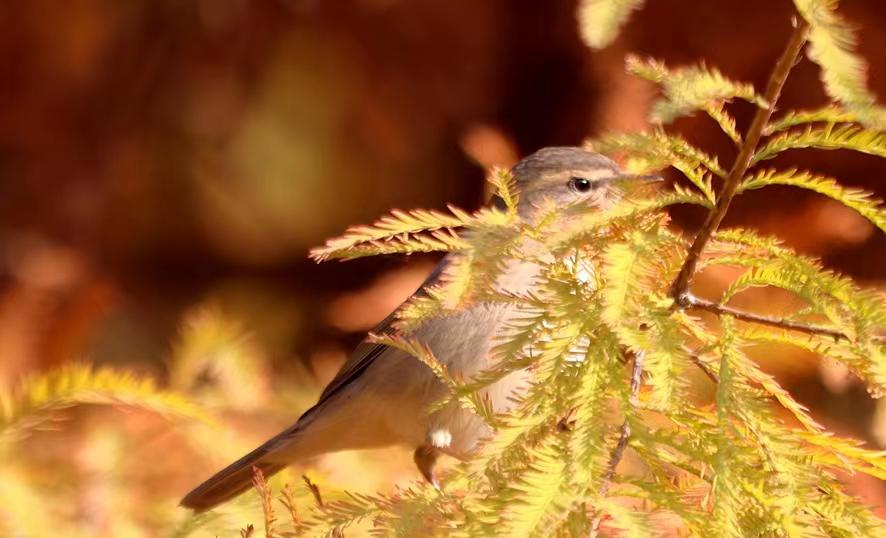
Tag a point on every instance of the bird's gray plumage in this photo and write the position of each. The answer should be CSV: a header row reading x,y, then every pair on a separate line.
x,y
558,158
381,396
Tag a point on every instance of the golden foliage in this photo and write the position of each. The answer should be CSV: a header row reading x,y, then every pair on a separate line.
x,y
538,477
688,89
39,397
590,447
729,468
831,44
600,20
851,137
856,199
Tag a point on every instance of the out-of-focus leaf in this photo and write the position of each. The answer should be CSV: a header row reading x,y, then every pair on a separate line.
x,y
214,359
39,396
600,20
831,44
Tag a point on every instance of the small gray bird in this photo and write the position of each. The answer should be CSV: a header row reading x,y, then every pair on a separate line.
x,y
381,396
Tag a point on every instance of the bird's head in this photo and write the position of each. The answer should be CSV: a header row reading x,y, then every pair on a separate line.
x,y
566,176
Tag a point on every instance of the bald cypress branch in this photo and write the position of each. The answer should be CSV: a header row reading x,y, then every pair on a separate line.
x,y
691,301
625,430
680,288
623,437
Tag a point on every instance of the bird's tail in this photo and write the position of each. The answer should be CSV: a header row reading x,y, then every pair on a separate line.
x,y
233,479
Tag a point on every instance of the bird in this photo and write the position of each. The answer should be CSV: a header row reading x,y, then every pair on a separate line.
x,y
381,396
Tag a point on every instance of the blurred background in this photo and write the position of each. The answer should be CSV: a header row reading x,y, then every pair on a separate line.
x,y
166,165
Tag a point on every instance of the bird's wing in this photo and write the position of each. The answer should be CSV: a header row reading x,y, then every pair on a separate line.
x,y
237,477
366,353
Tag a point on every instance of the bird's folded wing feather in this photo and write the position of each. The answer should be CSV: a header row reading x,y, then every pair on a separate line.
x,y
366,353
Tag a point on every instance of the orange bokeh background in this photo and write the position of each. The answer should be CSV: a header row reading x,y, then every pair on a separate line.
x,y
165,165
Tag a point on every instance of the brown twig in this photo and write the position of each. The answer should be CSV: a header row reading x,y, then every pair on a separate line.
x,y
691,301
696,360
624,435
680,287
625,431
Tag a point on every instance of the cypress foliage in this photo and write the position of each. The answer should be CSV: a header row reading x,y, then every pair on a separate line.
x,y
611,345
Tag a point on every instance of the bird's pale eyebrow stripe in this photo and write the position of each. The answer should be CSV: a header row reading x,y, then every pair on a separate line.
x,y
626,176
593,173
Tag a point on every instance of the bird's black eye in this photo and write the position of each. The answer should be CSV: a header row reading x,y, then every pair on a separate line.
x,y
580,184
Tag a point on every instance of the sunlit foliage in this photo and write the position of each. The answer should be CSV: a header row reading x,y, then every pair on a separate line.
x,y
600,20
610,438
751,462
831,44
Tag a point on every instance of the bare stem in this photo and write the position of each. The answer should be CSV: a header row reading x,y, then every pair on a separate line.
x,y
617,455
623,437
681,284
691,301
619,450
704,368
